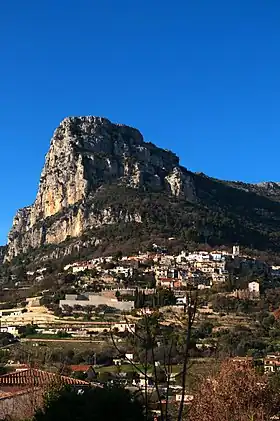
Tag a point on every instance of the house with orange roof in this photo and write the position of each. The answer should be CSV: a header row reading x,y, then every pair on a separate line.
x,y
21,392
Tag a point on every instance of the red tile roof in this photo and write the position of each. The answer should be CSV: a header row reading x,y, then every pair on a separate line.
x,y
80,367
34,377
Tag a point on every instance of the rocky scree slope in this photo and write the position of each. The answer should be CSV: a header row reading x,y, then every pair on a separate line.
x,y
102,181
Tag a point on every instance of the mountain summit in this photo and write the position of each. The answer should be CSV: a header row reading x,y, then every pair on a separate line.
x,y
87,155
103,185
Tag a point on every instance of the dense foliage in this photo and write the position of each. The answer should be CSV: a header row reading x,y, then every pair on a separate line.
x,y
91,405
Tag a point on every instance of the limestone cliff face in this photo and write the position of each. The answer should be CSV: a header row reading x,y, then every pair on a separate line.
x,y
87,154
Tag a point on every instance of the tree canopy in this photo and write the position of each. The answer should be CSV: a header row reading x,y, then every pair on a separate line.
x,y
99,404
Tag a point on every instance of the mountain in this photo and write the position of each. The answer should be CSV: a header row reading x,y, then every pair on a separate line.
x,y
268,189
103,187
3,250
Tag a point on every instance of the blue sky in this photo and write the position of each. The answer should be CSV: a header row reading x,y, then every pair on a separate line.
x,y
200,77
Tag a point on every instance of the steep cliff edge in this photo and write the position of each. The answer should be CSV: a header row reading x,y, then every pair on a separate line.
x,y
103,187
86,156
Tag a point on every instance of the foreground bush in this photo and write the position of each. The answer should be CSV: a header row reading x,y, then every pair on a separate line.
x,y
90,405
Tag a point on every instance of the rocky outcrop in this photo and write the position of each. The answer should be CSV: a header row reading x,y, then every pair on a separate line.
x,y
87,154
3,250
181,184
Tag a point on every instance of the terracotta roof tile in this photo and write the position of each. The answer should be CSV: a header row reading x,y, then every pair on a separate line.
x,y
80,367
34,377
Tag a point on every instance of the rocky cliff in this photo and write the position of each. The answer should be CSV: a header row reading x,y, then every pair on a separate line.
x,y
103,187
86,156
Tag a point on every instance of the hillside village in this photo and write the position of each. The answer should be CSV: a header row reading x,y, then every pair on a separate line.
x,y
199,268
99,305
116,282
130,286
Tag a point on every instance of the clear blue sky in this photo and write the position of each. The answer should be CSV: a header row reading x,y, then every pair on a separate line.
x,y
200,77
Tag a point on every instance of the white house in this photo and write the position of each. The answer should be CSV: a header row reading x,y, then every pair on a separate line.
x,y
254,288
235,251
181,300
217,256
181,257
199,256
272,363
13,330
129,357
187,398
30,273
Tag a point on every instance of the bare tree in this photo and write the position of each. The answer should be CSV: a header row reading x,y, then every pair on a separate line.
x,y
154,333
237,392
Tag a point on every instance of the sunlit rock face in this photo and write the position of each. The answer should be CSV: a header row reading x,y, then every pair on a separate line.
x,y
87,154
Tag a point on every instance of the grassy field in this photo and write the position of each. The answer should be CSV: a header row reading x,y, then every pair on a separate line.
x,y
197,367
37,350
124,368
197,371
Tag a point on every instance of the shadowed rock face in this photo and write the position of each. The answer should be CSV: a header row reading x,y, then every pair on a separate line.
x,y
86,155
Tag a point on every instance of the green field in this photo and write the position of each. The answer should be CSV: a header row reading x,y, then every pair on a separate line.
x,y
198,367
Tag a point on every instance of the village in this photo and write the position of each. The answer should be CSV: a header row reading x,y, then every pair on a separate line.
x,y
133,284
97,307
